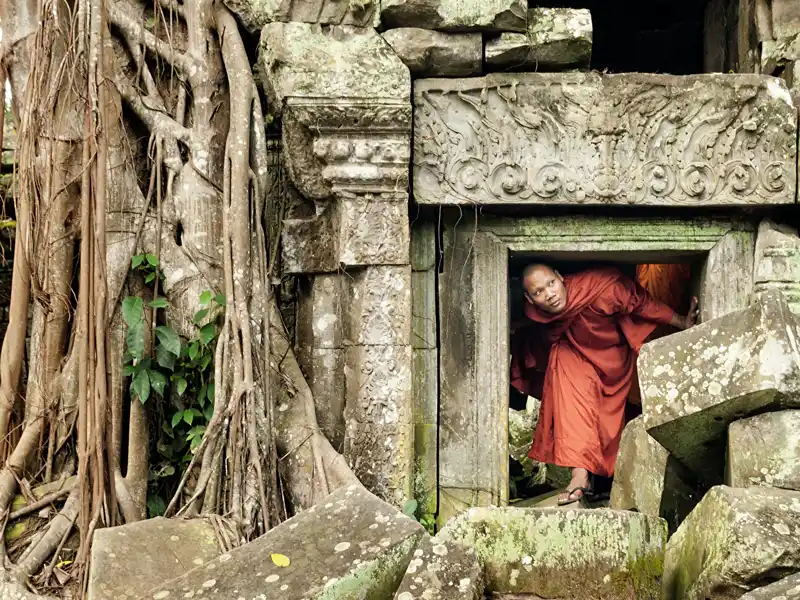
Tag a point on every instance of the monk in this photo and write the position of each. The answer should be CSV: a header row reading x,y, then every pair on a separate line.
x,y
579,358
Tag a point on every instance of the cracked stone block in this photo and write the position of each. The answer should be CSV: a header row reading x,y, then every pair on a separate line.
x,y
557,38
787,588
696,382
441,570
255,14
306,60
429,53
765,451
647,479
735,540
130,560
455,15
777,261
557,553
351,545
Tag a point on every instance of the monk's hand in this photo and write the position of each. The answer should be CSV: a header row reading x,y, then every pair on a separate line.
x,y
691,317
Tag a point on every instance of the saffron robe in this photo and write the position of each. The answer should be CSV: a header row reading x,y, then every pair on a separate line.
x,y
581,363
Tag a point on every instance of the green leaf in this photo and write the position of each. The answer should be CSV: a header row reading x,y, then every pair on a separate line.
x,y
200,315
150,278
165,358
205,298
188,416
196,412
176,418
166,428
152,259
207,333
169,339
155,506
210,392
193,347
132,310
134,339
410,507
208,412
128,370
220,299
137,260
158,303
158,382
141,385
181,386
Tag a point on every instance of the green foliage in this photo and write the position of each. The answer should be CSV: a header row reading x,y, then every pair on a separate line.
x,y
427,520
178,376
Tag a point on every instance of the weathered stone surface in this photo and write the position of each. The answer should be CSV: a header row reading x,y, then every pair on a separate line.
x,y
785,18
378,306
455,15
556,38
554,553
303,60
765,450
349,546
425,389
726,280
441,570
501,140
373,232
129,560
255,14
521,425
778,53
786,589
695,382
320,314
435,54
324,369
732,542
648,480
777,261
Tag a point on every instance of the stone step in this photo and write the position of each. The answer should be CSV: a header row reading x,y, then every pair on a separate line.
x,y
563,554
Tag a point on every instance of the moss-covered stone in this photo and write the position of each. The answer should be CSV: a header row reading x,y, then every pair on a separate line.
x,y
557,553
441,570
734,541
350,546
455,15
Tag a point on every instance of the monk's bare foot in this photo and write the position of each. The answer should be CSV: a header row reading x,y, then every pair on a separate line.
x,y
576,487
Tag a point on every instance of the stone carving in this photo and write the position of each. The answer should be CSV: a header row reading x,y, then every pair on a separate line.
x,y
575,138
255,14
435,54
777,261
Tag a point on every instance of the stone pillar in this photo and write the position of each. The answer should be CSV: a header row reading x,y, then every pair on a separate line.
x,y
777,261
344,99
726,281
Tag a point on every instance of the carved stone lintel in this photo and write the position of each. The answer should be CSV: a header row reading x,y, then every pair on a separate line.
x,y
575,138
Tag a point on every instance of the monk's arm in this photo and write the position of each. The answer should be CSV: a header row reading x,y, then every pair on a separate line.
x,y
638,301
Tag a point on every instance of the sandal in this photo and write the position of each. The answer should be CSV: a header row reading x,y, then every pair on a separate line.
x,y
585,493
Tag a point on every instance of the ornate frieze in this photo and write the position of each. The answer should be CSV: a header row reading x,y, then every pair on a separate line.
x,y
586,138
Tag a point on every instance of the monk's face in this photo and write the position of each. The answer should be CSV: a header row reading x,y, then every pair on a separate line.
x,y
544,288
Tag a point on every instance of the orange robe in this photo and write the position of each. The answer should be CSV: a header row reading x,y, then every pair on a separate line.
x,y
589,350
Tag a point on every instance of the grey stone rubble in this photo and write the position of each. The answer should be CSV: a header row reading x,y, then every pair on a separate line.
x,y
255,14
429,53
557,38
787,588
456,15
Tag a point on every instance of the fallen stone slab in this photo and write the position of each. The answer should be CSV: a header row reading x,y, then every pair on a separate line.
x,y
557,38
456,15
696,382
765,451
735,540
787,588
441,570
429,53
528,163
129,560
576,554
648,480
255,14
350,545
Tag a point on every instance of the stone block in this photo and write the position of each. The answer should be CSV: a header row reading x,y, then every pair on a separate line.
x,y
557,38
429,53
696,382
303,60
324,369
783,589
350,545
455,15
382,457
553,553
423,246
255,14
373,232
378,300
785,18
777,261
765,451
425,385
320,314
130,560
648,480
776,54
442,570
732,542
723,288
620,129
423,309
426,468
310,245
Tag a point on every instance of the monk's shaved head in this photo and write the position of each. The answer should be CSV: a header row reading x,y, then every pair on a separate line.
x,y
544,288
530,269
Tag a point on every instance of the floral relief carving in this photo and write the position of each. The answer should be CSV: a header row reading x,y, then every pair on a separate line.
x,y
585,138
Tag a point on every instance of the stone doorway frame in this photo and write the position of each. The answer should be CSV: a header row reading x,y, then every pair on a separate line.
x,y
474,343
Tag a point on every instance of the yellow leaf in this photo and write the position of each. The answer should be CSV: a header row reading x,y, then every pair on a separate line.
x,y
280,560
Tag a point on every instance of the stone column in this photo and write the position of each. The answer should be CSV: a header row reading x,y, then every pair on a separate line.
x,y
777,261
344,99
